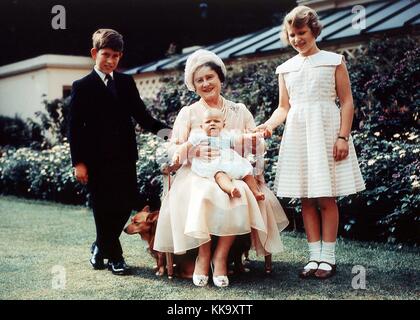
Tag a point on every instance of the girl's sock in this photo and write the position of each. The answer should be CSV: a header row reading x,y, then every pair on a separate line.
x,y
314,254
327,255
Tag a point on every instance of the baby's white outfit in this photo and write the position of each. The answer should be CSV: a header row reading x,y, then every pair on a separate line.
x,y
229,160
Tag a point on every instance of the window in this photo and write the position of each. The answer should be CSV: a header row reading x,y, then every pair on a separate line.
x,y
66,91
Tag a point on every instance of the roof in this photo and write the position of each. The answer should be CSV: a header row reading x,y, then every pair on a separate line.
x,y
381,16
44,61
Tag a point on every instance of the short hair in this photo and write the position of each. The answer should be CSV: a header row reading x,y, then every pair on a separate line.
x,y
213,112
107,38
298,18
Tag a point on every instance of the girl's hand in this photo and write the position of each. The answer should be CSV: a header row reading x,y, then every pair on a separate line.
x,y
266,129
341,150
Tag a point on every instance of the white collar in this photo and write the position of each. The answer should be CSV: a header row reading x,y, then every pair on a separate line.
x,y
101,74
321,58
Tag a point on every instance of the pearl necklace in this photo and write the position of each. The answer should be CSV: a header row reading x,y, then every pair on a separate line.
x,y
222,108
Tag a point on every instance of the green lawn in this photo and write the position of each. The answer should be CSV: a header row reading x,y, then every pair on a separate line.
x,y
35,236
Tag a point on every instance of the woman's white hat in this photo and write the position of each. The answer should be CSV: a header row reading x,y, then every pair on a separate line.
x,y
197,59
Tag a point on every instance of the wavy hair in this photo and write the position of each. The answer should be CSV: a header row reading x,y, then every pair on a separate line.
x,y
298,18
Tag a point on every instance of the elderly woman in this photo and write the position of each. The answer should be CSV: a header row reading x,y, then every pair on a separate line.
x,y
195,207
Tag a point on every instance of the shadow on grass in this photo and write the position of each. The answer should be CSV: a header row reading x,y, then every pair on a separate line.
x,y
284,283
284,277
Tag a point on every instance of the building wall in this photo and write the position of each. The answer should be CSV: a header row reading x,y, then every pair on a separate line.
x,y
149,83
59,78
22,94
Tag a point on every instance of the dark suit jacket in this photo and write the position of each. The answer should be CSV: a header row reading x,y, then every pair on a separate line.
x,y
101,125
101,130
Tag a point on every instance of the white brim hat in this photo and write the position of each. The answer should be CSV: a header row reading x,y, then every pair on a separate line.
x,y
197,59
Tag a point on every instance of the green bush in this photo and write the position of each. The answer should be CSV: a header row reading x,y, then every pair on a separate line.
x,y
46,129
15,132
388,210
15,167
170,100
385,85
54,121
151,157
48,174
45,174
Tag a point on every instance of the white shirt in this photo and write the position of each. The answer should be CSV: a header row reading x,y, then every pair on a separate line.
x,y
103,75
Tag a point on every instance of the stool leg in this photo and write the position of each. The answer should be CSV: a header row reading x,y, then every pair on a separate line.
x,y
268,264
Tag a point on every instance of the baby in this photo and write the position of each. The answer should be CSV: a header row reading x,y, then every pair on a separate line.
x,y
229,165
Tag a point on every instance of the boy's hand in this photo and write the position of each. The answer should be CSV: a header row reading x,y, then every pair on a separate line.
x,y
266,129
81,173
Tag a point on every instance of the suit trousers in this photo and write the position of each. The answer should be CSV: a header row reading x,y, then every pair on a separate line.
x,y
113,190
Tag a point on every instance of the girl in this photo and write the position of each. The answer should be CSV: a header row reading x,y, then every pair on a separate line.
x,y
317,161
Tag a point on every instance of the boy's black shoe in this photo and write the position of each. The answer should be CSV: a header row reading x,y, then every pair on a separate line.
x,y
118,267
96,260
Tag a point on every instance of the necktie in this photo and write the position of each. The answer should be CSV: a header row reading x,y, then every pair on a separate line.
x,y
111,85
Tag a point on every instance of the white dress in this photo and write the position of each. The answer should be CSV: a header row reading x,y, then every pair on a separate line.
x,y
229,160
306,167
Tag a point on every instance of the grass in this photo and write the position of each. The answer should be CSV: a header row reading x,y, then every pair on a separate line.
x,y
35,236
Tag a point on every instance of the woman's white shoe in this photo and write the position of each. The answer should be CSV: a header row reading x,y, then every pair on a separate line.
x,y
219,281
200,280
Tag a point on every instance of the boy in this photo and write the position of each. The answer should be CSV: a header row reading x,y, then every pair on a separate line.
x,y
103,145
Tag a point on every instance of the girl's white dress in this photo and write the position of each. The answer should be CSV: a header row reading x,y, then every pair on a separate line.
x,y
306,167
229,160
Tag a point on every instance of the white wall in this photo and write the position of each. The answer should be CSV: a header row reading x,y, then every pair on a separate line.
x,y
21,94
23,83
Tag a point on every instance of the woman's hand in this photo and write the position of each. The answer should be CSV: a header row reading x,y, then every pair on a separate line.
x,y
266,129
341,150
204,152
176,159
